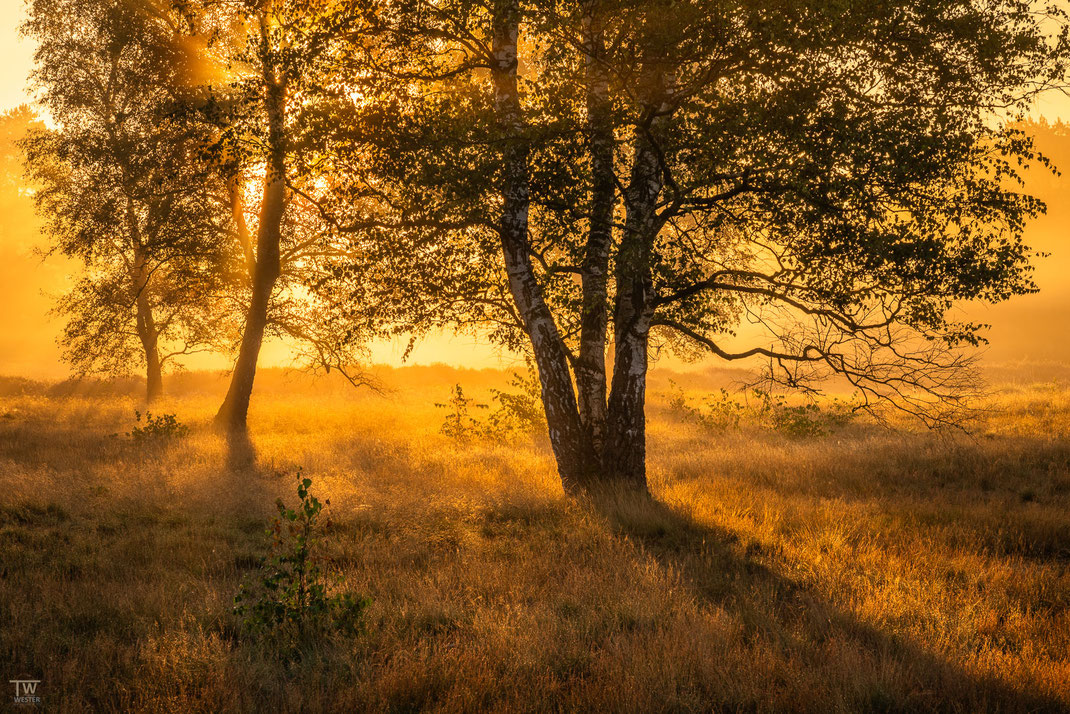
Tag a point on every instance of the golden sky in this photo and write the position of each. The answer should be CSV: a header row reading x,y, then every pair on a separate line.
x,y
16,55
1030,328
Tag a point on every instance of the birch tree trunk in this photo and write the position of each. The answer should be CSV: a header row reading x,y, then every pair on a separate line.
x,y
625,453
576,461
147,332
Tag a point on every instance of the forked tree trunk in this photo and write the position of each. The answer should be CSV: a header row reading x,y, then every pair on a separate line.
x,y
233,414
576,459
596,442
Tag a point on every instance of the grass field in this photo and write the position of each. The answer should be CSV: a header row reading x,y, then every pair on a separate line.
x,y
862,570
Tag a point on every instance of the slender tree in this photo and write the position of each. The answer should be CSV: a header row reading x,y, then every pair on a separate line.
x,y
268,87
266,57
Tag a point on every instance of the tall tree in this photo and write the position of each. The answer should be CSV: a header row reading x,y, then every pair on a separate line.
x,y
269,53
656,170
123,187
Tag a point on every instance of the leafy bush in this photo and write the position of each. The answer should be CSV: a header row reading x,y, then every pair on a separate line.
x,y
288,603
519,411
157,429
719,412
794,420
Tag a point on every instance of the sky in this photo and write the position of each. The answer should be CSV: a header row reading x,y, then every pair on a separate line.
x,y
16,55
1022,328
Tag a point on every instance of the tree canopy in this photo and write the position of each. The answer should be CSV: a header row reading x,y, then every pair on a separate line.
x,y
123,187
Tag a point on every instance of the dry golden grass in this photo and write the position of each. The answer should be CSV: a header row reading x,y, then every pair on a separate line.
x,y
863,571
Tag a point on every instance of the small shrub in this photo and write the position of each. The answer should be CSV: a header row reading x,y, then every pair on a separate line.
x,y
518,413
459,424
157,429
288,602
719,412
722,412
798,421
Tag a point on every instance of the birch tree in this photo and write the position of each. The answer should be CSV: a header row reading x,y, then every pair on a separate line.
x,y
268,54
595,179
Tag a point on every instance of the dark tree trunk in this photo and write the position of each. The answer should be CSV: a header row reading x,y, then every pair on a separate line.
x,y
591,363
576,461
153,370
625,453
147,334
233,414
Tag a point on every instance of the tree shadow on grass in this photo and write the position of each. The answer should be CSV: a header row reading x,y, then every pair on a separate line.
x,y
886,671
251,486
240,454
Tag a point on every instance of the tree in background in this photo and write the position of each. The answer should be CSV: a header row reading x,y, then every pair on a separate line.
x,y
601,177
15,125
123,187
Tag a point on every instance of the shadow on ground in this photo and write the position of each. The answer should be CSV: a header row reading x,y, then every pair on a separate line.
x,y
800,623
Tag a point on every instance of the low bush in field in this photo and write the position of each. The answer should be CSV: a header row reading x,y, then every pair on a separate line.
x,y
157,429
724,411
519,412
459,424
287,605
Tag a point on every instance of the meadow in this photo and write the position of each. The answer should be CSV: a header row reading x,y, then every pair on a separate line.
x,y
856,569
